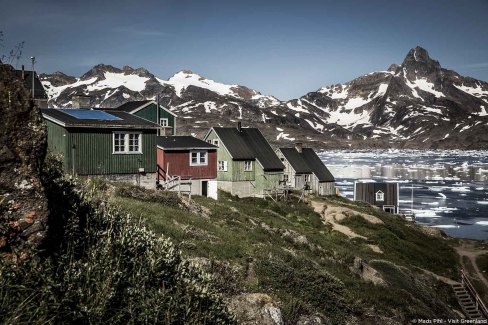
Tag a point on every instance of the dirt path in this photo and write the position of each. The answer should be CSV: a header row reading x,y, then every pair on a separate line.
x,y
469,250
333,214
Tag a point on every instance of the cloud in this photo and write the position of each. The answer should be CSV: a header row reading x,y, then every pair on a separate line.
x,y
477,66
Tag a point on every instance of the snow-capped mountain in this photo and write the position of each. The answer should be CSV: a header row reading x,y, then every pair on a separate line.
x,y
417,104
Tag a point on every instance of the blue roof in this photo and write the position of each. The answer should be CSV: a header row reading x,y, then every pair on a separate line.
x,y
85,114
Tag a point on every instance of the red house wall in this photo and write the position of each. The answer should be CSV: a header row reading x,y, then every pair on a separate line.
x,y
179,165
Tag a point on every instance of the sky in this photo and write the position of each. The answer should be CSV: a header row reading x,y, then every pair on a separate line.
x,y
282,48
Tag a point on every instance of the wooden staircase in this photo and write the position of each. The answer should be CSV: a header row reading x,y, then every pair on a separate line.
x,y
468,298
469,306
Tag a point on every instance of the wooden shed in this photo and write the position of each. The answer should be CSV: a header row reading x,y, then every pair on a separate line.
x,y
383,195
117,146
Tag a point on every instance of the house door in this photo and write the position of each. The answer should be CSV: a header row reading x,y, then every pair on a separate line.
x,y
389,209
204,188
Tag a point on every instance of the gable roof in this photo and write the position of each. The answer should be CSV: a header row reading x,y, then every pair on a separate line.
x,y
122,120
183,142
307,162
39,92
296,160
249,144
136,105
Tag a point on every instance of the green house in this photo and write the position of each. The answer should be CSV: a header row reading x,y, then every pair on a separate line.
x,y
246,163
147,109
116,146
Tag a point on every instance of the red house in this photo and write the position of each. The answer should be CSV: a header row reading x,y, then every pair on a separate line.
x,y
187,164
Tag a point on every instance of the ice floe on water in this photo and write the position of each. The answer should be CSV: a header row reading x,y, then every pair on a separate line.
x,y
446,226
449,188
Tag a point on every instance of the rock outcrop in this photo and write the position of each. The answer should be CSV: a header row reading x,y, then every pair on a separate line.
x,y
23,205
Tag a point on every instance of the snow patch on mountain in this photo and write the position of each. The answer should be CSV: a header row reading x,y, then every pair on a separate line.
x,y
115,80
427,86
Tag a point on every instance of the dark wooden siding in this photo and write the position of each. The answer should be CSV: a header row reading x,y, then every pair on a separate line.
x,y
149,113
367,192
92,150
179,165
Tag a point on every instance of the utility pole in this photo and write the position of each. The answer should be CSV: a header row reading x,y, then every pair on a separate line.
x,y
33,59
157,116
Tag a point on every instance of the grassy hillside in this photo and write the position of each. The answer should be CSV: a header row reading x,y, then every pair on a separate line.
x,y
288,251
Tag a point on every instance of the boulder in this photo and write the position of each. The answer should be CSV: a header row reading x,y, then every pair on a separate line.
x,y
255,308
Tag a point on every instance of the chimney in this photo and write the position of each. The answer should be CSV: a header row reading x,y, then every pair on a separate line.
x,y
80,101
23,73
239,126
299,147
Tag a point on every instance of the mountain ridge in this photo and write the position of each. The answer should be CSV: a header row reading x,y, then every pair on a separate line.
x,y
417,104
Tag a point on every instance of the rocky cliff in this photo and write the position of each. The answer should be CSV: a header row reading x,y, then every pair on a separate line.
x,y
23,205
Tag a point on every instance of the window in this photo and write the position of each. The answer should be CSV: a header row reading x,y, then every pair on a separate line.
x,y
285,178
127,143
216,142
222,166
307,178
198,158
380,196
163,122
209,140
248,166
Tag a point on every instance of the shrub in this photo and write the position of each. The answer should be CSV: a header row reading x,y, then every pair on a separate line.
x,y
100,266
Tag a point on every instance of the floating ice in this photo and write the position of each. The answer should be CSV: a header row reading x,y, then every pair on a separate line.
x,y
445,226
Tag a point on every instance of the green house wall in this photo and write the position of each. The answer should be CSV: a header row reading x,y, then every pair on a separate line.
x,y
150,113
56,139
235,168
266,180
90,151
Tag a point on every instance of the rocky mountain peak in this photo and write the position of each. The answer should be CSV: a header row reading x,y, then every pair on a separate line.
x,y
418,60
99,70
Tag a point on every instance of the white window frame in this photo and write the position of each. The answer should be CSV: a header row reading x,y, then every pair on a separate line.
x,y
248,163
199,157
307,177
223,164
126,150
216,142
380,196
165,120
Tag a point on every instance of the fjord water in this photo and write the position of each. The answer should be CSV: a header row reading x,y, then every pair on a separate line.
x,y
449,187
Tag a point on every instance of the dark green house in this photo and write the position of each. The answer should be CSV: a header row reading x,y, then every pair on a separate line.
x,y
246,163
147,109
113,145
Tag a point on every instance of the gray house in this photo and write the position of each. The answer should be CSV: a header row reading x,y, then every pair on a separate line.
x,y
305,170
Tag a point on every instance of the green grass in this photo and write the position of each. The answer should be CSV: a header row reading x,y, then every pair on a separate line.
x,y
299,261
482,262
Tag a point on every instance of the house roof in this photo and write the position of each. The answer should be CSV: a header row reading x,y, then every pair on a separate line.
x,y
133,105
93,119
249,144
183,143
136,105
39,92
296,160
307,161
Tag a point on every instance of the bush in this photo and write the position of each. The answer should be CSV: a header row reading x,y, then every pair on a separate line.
x,y
99,266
